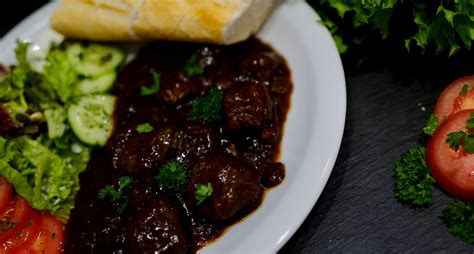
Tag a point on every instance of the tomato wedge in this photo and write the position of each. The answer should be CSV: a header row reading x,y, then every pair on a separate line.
x,y
25,236
50,238
453,170
14,218
6,190
454,99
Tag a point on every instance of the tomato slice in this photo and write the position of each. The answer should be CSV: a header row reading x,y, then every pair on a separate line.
x,y
25,236
453,170
14,218
6,190
451,101
50,238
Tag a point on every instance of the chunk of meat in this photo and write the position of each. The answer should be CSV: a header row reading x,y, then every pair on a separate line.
x,y
193,142
158,229
247,106
260,64
143,153
235,186
177,87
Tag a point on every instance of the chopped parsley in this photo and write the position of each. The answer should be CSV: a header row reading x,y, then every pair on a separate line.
x,y
192,66
412,179
431,125
6,224
202,192
207,109
464,90
173,175
117,196
145,128
459,218
154,88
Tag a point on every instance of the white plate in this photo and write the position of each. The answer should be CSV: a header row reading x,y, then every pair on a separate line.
x,y
313,131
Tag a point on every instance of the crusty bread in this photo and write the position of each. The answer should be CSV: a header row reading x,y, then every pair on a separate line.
x,y
214,21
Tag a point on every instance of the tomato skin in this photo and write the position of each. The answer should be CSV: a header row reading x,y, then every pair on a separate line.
x,y
50,238
6,191
450,101
24,237
18,211
454,171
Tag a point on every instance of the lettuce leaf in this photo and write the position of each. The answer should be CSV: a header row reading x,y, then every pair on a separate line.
x,y
60,74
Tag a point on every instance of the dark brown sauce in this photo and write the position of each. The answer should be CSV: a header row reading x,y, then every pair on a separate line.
x,y
237,155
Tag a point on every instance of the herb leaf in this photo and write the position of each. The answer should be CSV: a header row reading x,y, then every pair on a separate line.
x,y
202,192
459,218
173,175
207,109
470,122
154,88
464,90
192,67
431,125
412,179
144,128
117,196
455,139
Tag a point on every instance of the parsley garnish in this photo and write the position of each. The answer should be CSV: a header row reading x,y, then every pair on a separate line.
x,y
6,224
117,197
458,138
207,109
154,88
470,122
192,67
454,139
413,182
464,90
460,220
145,128
173,175
202,192
431,125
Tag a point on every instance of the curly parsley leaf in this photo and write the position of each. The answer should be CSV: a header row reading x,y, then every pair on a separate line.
x,y
154,88
412,179
144,128
192,66
202,192
173,175
207,109
117,196
431,125
454,139
459,218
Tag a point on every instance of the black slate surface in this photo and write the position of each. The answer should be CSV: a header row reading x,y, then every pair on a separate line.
x,y
389,100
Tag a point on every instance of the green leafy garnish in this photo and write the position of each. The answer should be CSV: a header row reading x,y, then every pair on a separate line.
x,y
202,192
192,67
207,109
431,125
145,128
60,74
173,175
455,139
470,122
117,196
460,220
464,90
154,88
412,179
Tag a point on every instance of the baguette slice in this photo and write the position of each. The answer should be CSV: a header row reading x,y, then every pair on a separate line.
x,y
213,21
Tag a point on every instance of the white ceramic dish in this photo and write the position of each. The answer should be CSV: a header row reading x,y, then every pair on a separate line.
x,y
313,131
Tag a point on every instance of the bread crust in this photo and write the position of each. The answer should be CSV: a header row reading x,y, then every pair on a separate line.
x,y
214,21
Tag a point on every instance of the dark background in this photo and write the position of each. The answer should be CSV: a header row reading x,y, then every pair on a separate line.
x,y
390,96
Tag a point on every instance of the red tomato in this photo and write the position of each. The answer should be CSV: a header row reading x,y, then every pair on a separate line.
x,y
50,239
14,218
24,237
453,170
6,190
450,101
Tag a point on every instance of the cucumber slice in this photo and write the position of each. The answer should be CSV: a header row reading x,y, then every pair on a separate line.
x,y
98,84
91,119
94,59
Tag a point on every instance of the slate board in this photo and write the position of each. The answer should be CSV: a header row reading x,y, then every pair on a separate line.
x,y
389,99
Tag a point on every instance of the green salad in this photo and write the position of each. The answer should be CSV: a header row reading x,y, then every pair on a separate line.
x,y
51,120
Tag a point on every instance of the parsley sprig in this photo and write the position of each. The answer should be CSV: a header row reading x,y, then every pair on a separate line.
x,y
203,191
173,175
145,128
207,109
154,88
117,196
462,139
413,182
192,66
431,125
460,220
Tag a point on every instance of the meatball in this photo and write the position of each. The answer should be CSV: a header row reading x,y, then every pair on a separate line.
x,y
143,153
158,229
247,106
235,186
